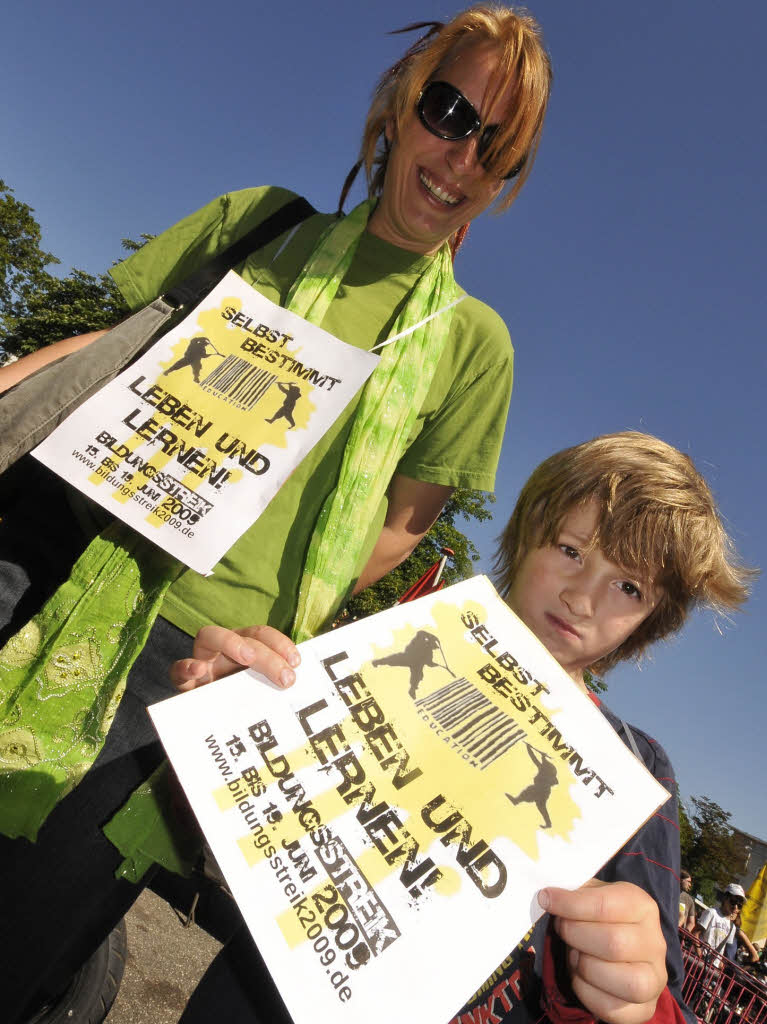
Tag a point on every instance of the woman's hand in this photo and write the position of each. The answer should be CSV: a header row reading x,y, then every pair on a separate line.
x,y
218,652
616,950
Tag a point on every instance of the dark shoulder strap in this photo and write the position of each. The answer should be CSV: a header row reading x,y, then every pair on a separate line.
x,y
192,287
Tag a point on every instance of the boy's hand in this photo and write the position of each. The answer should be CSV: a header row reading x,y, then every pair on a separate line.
x,y
617,953
218,652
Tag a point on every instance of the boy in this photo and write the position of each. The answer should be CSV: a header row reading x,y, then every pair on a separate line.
x,y
610,545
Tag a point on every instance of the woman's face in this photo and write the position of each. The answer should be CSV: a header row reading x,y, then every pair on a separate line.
x,y
432,185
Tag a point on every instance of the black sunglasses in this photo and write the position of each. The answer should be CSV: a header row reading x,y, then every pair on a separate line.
x,y
737,901
445,112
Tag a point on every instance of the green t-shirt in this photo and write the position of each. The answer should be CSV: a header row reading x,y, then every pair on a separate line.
x,y
455,441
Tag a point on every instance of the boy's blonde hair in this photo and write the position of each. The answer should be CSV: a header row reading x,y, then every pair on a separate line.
x,y
657,519
523,64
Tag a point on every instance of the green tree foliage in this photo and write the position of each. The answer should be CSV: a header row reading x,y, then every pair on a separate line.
x,y
462,505
38,308
710,852
686,835
594,683
59,307
22,260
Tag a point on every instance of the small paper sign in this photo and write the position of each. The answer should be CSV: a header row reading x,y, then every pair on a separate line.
x,y
190,443
386,823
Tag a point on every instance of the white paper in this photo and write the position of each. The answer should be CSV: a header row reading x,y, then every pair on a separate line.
x,y
367,810
192,464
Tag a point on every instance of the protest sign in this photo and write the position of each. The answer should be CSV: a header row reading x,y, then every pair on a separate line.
x,y
192,441
386,823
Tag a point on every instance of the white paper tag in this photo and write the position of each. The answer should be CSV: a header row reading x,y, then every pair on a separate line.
x,y
190,444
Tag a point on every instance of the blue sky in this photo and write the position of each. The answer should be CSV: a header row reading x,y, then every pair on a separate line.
x,y
630,271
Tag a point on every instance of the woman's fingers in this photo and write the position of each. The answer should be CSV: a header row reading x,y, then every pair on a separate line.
x,y
188,673
218,652
276,641
242,647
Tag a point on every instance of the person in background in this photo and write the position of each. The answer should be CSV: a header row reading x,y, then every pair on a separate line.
x,y
686,902
719,928
741,941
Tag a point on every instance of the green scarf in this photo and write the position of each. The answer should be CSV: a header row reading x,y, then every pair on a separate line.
x,y
389,405
63,674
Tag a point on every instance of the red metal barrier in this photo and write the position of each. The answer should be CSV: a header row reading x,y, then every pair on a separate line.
x,y
717,990
431,581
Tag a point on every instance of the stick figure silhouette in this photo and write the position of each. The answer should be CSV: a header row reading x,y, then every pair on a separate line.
x,y
539,790
196,351
292,393
416,656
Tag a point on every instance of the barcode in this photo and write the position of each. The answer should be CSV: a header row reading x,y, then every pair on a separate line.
x,y
238,382
474,724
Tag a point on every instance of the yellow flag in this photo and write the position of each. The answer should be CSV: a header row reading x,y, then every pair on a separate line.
x,y
754,912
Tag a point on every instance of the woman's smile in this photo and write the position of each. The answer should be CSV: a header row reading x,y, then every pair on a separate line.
x,y
440,192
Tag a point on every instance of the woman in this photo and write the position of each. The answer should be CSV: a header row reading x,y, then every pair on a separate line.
x,y
455,120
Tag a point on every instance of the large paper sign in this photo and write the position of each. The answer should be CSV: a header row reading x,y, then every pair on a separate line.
x,y
386,823
190,444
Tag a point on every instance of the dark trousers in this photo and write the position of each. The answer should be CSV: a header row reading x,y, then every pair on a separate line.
x,y
59,898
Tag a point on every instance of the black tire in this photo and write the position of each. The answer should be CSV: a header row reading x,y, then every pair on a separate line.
x,y
94,988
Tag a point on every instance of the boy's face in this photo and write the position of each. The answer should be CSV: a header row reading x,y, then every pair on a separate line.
x,y
579,604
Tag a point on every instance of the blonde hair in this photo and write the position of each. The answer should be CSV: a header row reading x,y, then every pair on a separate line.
x,y
657,518
523,65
